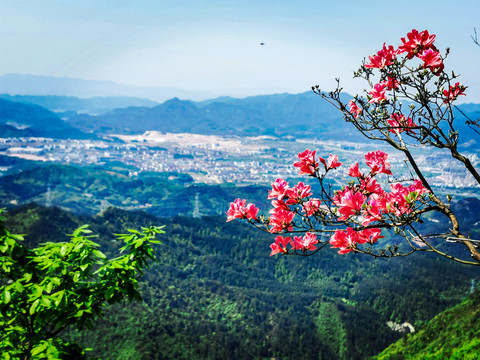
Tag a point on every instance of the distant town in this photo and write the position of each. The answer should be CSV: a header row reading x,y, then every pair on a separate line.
x,y
227,159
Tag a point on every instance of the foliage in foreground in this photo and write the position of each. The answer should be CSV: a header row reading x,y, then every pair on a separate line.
x,y
56,285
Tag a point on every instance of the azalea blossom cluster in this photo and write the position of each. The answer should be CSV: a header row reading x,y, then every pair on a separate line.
x,y
453,92
400,123
357,206
305,243
417,44
352,218
239,210
390,61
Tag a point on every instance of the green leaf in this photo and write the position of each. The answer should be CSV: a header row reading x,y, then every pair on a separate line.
x,y
56,281
84,267
78,247
63,250
27,276
19,287
49,287
99,254
109,293
46,301
6,296
39,348
17,237
58,297
34,306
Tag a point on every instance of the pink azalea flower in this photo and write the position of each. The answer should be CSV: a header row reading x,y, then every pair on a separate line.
x,y
418,187
453,92
279,187
354,109
417,42
251,211
297,193
297,243
311,207
369,235
307,164
377,161
280,245
384,57
377,94
432,60
307,242
348,202
238,210
372,212
281,220
354,170
279,205
331,163
397,200
401,124
377,204
391,83
344,240
370,186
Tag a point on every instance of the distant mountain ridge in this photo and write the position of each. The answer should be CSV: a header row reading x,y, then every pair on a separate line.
x,y
22,84
25,120
304,115
92,106
298,115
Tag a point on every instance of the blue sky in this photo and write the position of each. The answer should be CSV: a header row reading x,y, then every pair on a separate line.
x,y
215,45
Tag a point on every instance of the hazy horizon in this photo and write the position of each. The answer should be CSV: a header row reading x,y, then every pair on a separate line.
x,y
215,46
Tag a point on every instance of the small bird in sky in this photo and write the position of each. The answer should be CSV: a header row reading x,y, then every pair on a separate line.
x,y
262,43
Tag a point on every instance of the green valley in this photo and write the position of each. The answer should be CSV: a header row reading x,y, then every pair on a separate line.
x,y
216,294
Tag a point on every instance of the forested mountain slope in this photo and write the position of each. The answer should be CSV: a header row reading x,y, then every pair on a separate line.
x,y
453,334
216,294
92,189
